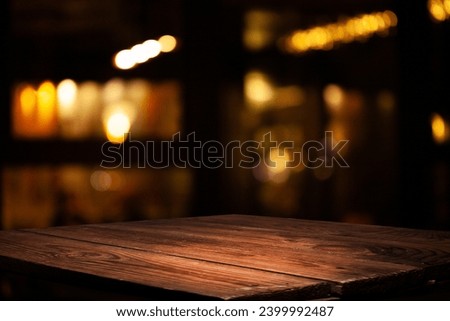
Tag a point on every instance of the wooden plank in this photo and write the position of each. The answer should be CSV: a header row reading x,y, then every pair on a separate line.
x,y
19,250
352,268
362,231
413,249
354,259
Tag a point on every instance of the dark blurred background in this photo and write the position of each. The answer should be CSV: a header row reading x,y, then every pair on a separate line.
x,y
375,73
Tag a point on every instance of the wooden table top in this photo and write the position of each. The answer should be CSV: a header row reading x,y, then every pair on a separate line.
x,y
232,257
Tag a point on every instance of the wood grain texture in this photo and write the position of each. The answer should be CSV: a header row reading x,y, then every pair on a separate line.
x,y
209,279
238,256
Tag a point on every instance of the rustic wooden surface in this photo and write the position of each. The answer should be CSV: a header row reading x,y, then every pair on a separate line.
x,y
233,257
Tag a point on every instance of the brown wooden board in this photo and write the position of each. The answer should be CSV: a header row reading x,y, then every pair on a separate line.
x,y
276,256
30,251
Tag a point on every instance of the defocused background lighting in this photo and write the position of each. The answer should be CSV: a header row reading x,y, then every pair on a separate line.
x,y
142,52
28,101
46,102
124,59
152,48
326,37
440,129
278,160
259,29
101,181
439,9
46,109
333,95
258,89
168,43
66,94
113,91
117,127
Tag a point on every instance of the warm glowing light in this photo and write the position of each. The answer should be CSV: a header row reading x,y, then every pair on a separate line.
x,y
88,96
333,96
259,29
117,126
258,88
66,93
101,181
289,96
167,43
46,102
326,37
138,91
27,101
447,7
439,9
140,53
278,161
113,91
124,59
439,128
152,48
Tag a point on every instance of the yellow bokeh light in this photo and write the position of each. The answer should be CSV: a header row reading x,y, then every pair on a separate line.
x,y
439,9
124,59
347,30
66,93
439,128
447,7
46,102
259,29
140,53
152,48
117,126
258,88
168,43
390,18
333,96
113,91
27,101
101,181
278,161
